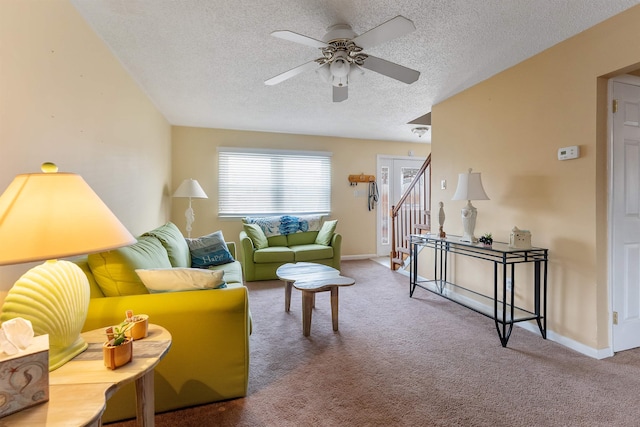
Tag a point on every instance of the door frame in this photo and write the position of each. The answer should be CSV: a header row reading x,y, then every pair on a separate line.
x,y
628,79
388,158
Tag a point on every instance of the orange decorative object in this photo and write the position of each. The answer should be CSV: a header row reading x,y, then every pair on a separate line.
x,y
140,327
114,357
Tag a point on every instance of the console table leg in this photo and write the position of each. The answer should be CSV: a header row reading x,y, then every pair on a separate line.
x,y
413,271
541,317
503,326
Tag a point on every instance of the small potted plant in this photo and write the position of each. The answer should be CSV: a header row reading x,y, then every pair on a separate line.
x,y
118,350
486,239
140,325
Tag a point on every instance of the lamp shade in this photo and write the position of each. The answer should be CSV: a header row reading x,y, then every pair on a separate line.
x,y
190,188
54,215
470,187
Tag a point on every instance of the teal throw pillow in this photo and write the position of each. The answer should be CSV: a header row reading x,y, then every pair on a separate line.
x,y
326,232
209,250
256,235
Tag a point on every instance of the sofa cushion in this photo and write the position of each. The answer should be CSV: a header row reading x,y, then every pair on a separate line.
x,y
232,272
326,232
301,238
275,254
256,235
209,250
173,241
115,270
180,279
277,241
311,252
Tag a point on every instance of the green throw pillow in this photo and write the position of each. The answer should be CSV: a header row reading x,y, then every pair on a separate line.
x,y
114,270
326,232
174,242
256,235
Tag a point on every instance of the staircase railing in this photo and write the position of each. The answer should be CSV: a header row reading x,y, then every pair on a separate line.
x,y
411,215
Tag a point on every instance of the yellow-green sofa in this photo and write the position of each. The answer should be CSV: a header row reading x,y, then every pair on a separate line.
x,y
209,357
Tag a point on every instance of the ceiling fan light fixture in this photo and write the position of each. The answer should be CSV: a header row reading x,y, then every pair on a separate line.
x,y
420,130
340,67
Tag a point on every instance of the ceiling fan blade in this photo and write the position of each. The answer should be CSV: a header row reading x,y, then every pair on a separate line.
x,y
298,38
391,69
393,28
340,93
291,73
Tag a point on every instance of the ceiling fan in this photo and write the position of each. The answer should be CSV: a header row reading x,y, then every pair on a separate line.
x,y
343,57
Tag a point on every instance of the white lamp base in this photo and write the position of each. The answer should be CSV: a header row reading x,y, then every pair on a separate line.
x,y
54,296
190,217
469,214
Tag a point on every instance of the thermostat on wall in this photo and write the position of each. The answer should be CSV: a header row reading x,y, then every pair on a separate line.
x,y
568,153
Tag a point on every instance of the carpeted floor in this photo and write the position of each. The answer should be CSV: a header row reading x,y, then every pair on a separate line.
x,y
421,361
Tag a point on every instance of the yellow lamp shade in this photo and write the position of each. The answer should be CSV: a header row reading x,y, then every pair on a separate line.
x,y
55,215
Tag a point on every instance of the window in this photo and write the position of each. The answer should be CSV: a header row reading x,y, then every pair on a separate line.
x,y
273,182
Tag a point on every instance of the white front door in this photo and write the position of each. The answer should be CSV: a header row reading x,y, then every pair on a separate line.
x,y
394,175
625,215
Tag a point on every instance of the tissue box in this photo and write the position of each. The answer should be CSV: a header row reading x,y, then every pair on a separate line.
x,y
520,239
24,377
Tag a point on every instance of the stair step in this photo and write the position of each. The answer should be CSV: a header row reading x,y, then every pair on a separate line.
x,y
403,250
422,227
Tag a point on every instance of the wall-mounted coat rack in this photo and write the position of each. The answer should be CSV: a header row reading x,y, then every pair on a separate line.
x,y
355,179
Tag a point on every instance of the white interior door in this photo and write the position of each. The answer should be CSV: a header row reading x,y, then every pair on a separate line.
x,y
625,215
394,175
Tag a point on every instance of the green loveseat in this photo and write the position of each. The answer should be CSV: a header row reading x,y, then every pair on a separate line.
x,y
261,264
209,357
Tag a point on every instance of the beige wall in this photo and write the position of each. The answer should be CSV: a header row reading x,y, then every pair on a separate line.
x,y
65,98
195,156
510,127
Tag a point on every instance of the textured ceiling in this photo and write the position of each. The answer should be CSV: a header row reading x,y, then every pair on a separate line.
x,y
203,62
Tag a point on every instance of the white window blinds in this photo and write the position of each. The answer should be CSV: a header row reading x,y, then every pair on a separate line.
x,y
272,182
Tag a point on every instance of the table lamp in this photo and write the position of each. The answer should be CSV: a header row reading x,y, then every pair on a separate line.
x,y
191,189
44,216
469,188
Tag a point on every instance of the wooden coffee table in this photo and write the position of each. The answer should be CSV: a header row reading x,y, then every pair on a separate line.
x,y
311,278
291,272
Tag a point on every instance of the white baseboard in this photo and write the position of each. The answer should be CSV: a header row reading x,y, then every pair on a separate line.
x,y
569,343
357,257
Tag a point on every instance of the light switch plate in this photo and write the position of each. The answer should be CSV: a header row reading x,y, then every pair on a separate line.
x,y
568,153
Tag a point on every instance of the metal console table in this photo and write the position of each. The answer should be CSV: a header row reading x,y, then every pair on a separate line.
x,y
500,307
